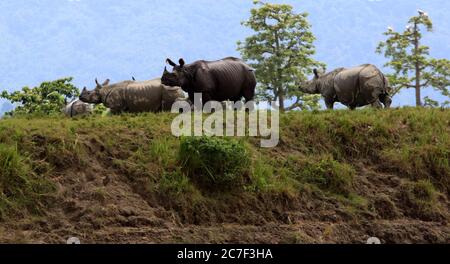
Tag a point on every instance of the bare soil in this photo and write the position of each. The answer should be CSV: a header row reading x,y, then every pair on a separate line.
x,y
98,205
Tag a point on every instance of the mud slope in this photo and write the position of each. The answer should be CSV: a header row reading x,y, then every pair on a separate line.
x,y
335,177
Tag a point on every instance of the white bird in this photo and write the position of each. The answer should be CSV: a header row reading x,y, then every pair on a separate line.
x,y
390,28
422,13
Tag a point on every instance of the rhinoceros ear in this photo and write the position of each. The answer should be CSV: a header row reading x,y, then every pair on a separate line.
x,y
165,70
105,83
171,63
97,83
181,61
316,73
84,90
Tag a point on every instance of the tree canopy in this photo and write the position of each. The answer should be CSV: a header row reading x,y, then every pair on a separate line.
x,y
281,52
47,98
411,61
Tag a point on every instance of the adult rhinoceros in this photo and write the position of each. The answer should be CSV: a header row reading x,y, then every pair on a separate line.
x,y
76,108
353,87
222,80
133,96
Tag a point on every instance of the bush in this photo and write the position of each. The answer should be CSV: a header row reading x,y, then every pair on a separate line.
x,y
100,109
46,99
215,163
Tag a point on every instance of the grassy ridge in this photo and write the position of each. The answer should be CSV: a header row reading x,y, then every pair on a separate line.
x,y
323,160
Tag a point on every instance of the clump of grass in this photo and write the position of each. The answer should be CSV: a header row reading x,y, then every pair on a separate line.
x,y
176,182
20,188
423,162
384,207
421,200
266,176
329,175
215,163
262,174
162,151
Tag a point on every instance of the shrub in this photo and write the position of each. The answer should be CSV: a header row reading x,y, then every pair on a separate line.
x,y
214,163
46,99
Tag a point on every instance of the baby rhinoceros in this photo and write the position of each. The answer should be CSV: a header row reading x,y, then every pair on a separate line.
x,y
77,108
133,96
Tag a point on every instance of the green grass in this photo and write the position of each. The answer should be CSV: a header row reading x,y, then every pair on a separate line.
x,y
20,188
421,198
214,163
318,153
326,173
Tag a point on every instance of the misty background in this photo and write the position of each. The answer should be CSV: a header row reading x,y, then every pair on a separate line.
x,y
48,39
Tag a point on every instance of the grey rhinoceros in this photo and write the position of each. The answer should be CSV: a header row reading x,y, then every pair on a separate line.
x,y
77,108
353,87
226,79
133,96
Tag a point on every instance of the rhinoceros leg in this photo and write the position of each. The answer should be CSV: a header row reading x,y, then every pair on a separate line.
x,y
206,97
116,111
329,103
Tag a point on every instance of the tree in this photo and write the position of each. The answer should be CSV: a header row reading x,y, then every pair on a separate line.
x,y
280,52
411,61
47,98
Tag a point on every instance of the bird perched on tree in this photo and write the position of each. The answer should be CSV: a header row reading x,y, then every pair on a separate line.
x,y
422,13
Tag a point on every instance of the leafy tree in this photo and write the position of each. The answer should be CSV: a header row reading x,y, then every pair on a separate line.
x,y
280,51
47,98
411,61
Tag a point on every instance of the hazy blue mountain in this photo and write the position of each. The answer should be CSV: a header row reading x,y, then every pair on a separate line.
x,y
48,39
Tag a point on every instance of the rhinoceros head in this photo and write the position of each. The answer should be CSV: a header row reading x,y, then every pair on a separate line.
x,y
312,86
178,76
94,96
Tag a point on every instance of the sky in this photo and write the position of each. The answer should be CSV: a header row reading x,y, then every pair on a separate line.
x,y
43,40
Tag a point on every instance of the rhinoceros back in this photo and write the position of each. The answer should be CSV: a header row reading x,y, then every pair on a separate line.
x,y
143,96
232,79
359,85
76,108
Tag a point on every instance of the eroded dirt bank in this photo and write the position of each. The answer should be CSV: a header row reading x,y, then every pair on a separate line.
x,y
336,177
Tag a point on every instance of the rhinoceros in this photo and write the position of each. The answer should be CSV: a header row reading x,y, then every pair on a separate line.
x,y
76,108
353,87
222,80
133,96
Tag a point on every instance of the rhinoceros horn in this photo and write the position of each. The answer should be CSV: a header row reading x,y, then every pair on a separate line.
x,y
171,63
